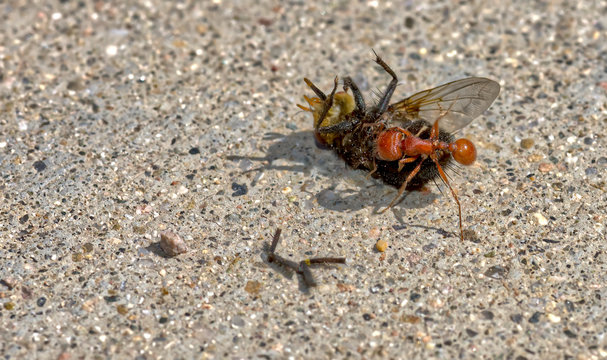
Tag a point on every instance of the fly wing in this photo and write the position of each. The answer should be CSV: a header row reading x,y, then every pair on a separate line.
x,y
460,101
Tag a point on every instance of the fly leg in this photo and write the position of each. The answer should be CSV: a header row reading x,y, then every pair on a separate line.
x,y
339,128
358,96
385,100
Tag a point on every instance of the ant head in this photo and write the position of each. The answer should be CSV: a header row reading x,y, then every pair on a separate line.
x,y
463,151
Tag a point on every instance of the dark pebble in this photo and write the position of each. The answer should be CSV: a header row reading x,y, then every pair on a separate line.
x,y
194,151
409,22
569,305
24,219
517,318
163,320
428,247
367,317
41,301
376,288
496,272
471,332
39,165
239,189
535,318
414,296
111,299
488,315
591,171
570,334
550,241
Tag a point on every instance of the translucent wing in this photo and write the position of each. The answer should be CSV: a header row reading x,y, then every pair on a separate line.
x,y
462,100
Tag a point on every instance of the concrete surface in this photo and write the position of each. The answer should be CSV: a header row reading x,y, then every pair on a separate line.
x,y
121,121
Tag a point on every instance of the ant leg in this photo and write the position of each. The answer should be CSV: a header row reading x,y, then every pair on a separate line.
x,y
358,96
444,177
372,170
316,90
402,188
328,102
435,130
404,131
385,100
402,162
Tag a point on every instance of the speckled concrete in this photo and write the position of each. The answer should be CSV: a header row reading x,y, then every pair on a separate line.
x,y
119,122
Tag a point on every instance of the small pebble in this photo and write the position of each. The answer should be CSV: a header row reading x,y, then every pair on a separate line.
x,y
194,151
411,319
527,143
545,167
535,318
237,322
87,248
591,171
374,233
122,309
381,245
496,272
517,318
39,166
252,287
541,219
553,318
239,189
9,282
172,244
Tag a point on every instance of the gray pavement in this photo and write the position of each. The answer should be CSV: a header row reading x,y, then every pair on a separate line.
x,y
122,121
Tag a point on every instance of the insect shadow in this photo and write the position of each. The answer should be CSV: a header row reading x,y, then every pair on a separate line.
x,y
300,150
303,268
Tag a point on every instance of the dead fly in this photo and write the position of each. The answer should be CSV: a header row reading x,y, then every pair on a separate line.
x,y
303,267
403,144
